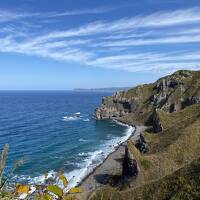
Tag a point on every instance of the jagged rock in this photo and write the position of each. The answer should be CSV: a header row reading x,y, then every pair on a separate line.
x,y
157,126
172,108
171,93
130,167
114,106
142,145
190,101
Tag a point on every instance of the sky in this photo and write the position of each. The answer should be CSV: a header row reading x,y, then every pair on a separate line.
x,y
66,44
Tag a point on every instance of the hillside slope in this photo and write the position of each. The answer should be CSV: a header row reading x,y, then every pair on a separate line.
x,y
184,184
170,93
167,154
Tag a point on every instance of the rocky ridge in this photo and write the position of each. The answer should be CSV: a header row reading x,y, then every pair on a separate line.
x,y
170,109
171,93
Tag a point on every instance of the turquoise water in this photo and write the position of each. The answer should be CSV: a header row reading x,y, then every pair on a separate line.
x,y
55,131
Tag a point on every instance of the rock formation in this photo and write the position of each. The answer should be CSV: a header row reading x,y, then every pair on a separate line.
x,y
130,167
171,93
162,164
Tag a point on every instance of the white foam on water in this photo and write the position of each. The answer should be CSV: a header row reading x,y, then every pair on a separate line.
x,y
77,113
82,140
97,157
83,154
75,117
91,161
86,120
77,175
70,118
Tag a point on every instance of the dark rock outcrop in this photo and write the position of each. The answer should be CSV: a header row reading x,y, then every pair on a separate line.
x,y
114,106
171,93
130,167
142,145
157,126
190,101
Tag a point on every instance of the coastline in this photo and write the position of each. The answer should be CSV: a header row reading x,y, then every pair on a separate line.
x,y
111,166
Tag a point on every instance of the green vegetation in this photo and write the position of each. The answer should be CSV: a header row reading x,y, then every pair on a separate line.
x,y
184,184
170,170
145,164
54,189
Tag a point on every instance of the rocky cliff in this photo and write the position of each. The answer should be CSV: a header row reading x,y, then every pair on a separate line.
x,y
164,165
171,93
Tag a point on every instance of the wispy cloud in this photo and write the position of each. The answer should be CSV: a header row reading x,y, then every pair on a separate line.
x,y
118,44
156,41
155,20
81,12
150,61
7,15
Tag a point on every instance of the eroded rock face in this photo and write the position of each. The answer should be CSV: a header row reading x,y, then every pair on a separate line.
x,y
190,101
157,126
114,106
130,167
142,145
171,93
164,96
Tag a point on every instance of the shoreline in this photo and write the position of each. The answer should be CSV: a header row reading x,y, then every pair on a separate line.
x,y
116,148
112,164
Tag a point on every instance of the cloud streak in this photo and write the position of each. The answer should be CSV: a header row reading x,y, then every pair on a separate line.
x,y
8,16
155,20
119,44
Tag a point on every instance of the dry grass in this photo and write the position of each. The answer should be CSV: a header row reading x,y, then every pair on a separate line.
x,y
165,172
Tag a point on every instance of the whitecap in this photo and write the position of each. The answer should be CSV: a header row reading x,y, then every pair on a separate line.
x,y
70,118
90,160
77,113
83,154
82,140
77,175
86,120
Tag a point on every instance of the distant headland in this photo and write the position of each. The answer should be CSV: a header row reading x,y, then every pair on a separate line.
x,y
112,89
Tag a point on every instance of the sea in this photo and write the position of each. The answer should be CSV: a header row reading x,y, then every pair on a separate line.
x,y
55,131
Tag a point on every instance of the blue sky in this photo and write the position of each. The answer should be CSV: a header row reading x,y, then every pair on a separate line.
x,y
65,44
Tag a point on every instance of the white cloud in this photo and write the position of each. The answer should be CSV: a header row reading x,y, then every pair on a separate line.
x,y
81,12
7,15
156,20
120,44
156,41
150,61
61,51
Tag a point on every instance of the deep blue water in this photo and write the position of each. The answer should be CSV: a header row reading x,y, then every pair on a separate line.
x,y
54,131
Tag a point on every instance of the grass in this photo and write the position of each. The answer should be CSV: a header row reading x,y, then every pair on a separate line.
x,y
184,184
145,164
171,169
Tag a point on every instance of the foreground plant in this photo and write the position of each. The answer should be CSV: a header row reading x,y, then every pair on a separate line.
x,y
53,189
48,191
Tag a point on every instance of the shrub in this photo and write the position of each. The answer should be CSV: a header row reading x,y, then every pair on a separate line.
x,y
51,190
145,164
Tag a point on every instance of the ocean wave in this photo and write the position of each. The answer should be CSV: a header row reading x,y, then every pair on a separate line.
x,y
75,117
70,118
95,158
90,161
82,140
86,120
77,175
83,154
121,123
77,113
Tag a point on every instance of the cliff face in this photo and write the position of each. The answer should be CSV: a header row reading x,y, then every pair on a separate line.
x,y
171,93
164,165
